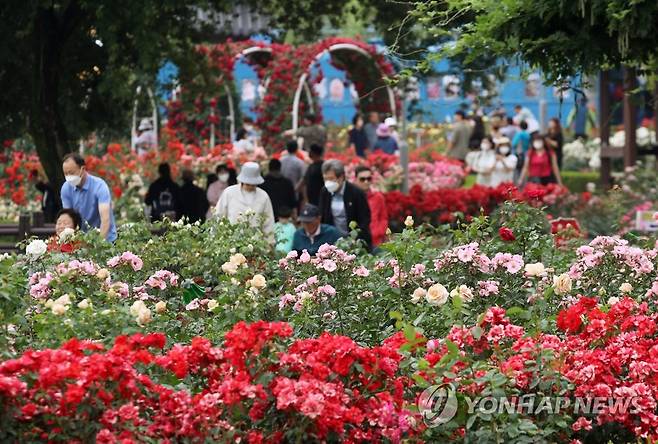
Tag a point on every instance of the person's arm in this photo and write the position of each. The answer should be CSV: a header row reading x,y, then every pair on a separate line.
x,y
268,223
105,209
67,202
524,171
363,218
556,169
221,209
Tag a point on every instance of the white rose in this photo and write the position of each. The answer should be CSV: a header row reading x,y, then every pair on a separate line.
x,y
84,304
436,295
64,300
419,293
144,316
613,300
535,270
409,222
160,307
36,248
258,281
137,307
625,287
212,305
229,268
106,312
562,284
465,293
66,234
59,309
238,259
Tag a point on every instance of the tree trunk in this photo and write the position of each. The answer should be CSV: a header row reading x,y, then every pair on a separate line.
x,y
46,125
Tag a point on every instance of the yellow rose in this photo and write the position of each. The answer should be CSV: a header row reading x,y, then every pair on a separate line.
x,y
238,259
49,303
229,268
258,281
58,309
437,295
465,293
625,287
64,300
137,307
212,305
160,307
409,222
103,274
562,284
144,316
84,304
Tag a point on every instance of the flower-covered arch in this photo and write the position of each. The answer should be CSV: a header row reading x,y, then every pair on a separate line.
x,y
288,73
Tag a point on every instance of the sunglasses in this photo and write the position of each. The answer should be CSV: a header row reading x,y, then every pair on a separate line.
x,y
365,179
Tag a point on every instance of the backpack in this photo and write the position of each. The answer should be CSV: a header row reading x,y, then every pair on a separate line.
x,y
164,205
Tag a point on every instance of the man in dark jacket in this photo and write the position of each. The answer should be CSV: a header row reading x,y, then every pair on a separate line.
x,y
279,188
313,180
342,203
163,195
193,199
313,233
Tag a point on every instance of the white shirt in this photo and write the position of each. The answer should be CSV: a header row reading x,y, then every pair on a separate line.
x,y
482,162
255,207
504,170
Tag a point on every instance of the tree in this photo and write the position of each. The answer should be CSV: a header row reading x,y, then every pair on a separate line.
x,y
562,38
70,67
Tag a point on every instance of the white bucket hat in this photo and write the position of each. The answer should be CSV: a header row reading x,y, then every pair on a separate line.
x,y
250,174
145,124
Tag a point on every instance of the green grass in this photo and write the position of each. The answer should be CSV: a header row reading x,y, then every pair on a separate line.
x,y
577,181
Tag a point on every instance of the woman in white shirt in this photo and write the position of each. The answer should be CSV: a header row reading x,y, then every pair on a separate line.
x,y
483,161
503,170
245,201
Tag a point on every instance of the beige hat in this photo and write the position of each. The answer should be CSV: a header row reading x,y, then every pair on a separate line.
x,y
250,174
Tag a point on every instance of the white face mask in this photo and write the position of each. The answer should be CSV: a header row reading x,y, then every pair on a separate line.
x,y
223,177
73,179
485,146
537,144
332,186
504,150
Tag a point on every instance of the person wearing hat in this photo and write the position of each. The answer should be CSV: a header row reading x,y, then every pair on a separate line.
x,y
245,201
145,140
384,141
506,161
392,126
313,233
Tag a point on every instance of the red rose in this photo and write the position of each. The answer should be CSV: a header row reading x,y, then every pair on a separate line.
x,y
506,234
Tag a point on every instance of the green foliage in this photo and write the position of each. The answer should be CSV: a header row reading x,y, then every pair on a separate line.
x,y
561,38
577,181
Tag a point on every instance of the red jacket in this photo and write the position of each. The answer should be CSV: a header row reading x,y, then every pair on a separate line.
x,y
378,217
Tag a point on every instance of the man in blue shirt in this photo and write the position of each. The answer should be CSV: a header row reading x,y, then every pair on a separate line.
x,y
313,234
89,196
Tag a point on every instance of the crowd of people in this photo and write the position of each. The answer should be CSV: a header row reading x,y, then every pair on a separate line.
x,y
302,200
512,150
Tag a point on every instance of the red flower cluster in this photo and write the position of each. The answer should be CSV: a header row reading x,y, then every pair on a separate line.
x,y
257,387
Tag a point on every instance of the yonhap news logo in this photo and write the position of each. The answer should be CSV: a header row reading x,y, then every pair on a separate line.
x,y
438,404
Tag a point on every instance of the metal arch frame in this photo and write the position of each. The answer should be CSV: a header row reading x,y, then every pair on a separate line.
x,y
303,84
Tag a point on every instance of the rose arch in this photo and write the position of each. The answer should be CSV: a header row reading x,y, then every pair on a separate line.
x,y
208,111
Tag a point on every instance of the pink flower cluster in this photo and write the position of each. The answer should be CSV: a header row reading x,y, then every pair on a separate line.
x,y
126,258
308,290
470,254
160,279
638,260
39,285
84,267
439,174
487,288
